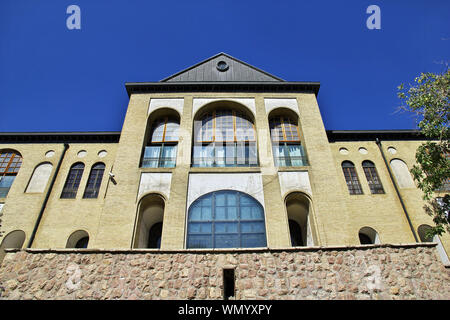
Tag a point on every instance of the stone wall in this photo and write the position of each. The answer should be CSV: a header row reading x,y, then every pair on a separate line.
x,y
362,272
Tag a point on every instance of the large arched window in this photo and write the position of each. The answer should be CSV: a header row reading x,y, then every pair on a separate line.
x,y
351,178
286,146
226,219
94,181
224,138
161,148
372,177
10,162
73,181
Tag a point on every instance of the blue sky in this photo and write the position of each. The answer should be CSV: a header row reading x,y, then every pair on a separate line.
x,y
55,79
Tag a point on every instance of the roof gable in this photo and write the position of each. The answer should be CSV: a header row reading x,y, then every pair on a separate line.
x,y
236,70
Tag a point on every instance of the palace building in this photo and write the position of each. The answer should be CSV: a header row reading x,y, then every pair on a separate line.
x,y
221,157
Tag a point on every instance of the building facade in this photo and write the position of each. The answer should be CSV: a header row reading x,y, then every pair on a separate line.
x,y
220,155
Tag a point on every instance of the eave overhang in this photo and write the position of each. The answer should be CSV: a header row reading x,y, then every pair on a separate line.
x,y
222,86
59,137
372,135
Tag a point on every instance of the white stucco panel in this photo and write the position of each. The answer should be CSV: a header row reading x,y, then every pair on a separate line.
x,y
176,104
200,102
294,181
155,182
203,183
40,177
272,104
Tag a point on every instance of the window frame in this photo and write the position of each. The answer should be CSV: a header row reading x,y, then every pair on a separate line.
x,y
95,174
9,164
372,177
288,159
238,220
355,187
238,119
71,192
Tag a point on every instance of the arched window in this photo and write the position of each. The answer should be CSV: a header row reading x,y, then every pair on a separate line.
x,y
161,148
73,181
39,178
224,138
94,181
226,219
354,187
402,174
372,177
79,239
368,235
10,162
298,212
13,240
148,230
426,237
286,146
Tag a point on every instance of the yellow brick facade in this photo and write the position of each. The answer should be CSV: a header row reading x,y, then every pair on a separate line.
x,y
335,216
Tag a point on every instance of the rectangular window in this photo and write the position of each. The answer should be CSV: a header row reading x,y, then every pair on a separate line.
x,y
5,184
160,156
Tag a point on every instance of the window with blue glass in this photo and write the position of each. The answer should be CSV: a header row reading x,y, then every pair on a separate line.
x,y
226,219
286,145
10,163
224,138
161,149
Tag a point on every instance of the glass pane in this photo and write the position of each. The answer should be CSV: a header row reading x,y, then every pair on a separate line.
x,y
220,155
232,213
206,213
151,157
221,213
251,227
158,132
246,213
253,240
199,241
295,155
220,199
257,213
200,227
195,214
226,227
168,157
172,129
231,199
227,241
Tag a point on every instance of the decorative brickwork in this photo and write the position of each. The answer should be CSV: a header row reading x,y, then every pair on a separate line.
x,y
364,272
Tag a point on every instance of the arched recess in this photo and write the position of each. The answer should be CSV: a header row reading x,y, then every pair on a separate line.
x,y
148,229
39,178
298,208
224,135
10,163
402,174
161,139
285,134
79,239
368,235
226,219
422,231
13,240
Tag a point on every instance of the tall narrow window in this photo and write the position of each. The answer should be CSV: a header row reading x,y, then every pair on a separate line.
x,y
94,181
161,149
224,138
10,163
73,181
354,187
286,146
372,177
226,219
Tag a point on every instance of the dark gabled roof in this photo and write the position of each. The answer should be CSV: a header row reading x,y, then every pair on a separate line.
x,y
60,137
206,71
372,135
